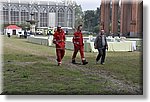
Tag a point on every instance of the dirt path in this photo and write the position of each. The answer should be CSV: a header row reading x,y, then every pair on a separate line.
x,y
121,86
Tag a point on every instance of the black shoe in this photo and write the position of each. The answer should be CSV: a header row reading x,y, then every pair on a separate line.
x,y
73,62
84,62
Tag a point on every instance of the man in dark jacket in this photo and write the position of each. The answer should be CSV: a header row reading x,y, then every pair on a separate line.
x,y
101,45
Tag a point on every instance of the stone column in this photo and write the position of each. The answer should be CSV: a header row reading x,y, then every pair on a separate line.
x,y
105,15
115,9
128,19
124,21
102,16
137,20
133,19
125,18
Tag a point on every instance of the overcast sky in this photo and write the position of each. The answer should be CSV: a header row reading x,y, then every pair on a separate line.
x,y
89,4
85,4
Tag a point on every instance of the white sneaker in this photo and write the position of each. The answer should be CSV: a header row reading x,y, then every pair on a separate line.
x,y
96,62
102,63
59,63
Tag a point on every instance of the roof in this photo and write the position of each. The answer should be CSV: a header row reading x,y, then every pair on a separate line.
x,y
12,27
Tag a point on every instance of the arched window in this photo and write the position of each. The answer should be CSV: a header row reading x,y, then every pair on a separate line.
x,y
61,17
14,15
5,15
24,15
43,18
52,9
69,18
35,12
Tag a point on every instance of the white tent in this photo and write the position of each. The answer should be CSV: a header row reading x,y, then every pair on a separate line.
x,y
13,30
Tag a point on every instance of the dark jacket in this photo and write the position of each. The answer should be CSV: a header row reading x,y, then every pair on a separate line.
x,y
98,42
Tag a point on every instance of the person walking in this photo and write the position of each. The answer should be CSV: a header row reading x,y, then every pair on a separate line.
x,y
59,41
78,46
101,45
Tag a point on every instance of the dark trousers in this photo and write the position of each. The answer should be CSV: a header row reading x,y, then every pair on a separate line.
x,y
101,55
60,54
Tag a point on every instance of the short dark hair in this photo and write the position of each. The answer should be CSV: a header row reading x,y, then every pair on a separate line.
x,y
79,26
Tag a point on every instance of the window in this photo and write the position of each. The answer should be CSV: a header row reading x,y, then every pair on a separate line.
x,y
43,18
5,15
35,16
24,15
14,15
61,17
69,18
52,9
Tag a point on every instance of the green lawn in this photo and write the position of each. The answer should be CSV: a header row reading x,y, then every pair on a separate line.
x,y
31,69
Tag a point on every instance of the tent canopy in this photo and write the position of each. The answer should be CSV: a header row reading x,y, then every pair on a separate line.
x,y
12,27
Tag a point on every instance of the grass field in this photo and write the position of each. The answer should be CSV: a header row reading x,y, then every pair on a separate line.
x,y
31,69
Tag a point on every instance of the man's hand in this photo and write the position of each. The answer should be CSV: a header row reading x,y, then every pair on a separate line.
x,y
107,47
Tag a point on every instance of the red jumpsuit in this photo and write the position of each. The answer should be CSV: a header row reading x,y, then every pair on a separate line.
x,y
59,40
78,45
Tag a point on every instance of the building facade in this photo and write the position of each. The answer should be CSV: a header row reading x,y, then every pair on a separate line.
x,y
48,14
131,17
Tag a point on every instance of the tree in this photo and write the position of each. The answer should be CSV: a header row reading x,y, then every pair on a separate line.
x,y
91,20
24,26
88,19
4,25
78,15
96,29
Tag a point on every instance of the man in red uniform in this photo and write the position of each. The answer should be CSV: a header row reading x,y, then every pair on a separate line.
x,y
78,45
59,40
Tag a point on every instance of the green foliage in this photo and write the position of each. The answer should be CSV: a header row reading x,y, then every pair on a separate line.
x,y
78,15
4,25
96,29
25,26
91,20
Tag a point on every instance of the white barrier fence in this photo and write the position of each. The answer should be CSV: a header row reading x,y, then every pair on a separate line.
x,y
88,44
